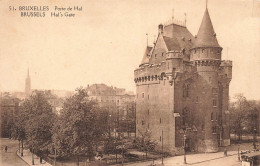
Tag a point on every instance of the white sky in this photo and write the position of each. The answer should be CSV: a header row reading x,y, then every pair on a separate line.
x,y
105,42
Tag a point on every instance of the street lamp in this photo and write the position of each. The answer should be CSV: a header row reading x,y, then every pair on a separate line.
x,y
254,143
238,155
184,146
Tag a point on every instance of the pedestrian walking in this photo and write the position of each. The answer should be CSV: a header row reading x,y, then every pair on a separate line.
x,y
5,148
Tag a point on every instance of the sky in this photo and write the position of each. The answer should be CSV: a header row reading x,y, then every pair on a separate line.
x,y
105,42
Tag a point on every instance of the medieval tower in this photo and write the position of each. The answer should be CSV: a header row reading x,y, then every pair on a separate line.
x,y
28,84
182,89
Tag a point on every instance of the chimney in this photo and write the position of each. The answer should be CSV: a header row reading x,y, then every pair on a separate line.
x,y
160,28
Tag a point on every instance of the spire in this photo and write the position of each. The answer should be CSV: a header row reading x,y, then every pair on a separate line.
x,y
28,84
206,36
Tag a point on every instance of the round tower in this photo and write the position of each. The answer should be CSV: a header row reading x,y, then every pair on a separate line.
x,y
206,57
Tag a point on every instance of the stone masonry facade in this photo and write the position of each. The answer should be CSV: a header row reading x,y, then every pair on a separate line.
x,y
182,88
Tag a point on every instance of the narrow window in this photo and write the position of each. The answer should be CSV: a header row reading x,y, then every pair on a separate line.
x,y
148,97
142,122
148,112
162,53
142,95
148,126
214,102
160,120
160,138
212,116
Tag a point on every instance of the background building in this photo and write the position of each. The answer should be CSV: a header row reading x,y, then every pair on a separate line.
x,y
119,103
8,111
182,89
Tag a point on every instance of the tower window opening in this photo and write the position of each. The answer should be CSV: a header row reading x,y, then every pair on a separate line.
x,y
214,103
142,95
162,53
155,56
142,122
160,138
148,97
160,120
212,116
202,50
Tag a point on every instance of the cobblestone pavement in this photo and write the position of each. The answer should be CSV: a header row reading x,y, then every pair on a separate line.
x,y
10,157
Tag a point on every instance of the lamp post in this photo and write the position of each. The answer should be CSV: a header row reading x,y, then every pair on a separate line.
x,y
238,155
162,146
254,143
184,146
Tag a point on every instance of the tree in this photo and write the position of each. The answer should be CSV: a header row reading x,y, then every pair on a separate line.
x,y
18,130
244,115
238,111
38,118
80,127
145,142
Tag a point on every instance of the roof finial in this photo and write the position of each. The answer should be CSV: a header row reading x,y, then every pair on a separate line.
x,y
147,39
28,72
185,19
172,14
206,4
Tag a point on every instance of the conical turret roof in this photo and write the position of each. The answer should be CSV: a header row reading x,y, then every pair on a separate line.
x,y
206,36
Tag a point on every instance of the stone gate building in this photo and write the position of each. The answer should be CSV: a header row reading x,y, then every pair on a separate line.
x,y
182,88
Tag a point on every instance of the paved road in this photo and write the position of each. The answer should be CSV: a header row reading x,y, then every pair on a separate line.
x,y
10,158
227,161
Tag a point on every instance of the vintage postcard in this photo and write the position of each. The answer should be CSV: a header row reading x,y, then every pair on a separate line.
x,y
130,82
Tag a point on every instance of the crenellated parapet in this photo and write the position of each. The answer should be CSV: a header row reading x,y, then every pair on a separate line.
x,y
225,69
149,74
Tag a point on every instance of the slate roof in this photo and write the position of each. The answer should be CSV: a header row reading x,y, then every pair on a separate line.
x,y
177,37
206,35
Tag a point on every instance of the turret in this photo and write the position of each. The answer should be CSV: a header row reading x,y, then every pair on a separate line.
x,y
206,57
160,28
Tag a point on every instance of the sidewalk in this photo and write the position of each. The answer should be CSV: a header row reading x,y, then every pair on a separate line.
x,y
191,159
27,157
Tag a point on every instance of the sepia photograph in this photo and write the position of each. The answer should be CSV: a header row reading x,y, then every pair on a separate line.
x,y
130,82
